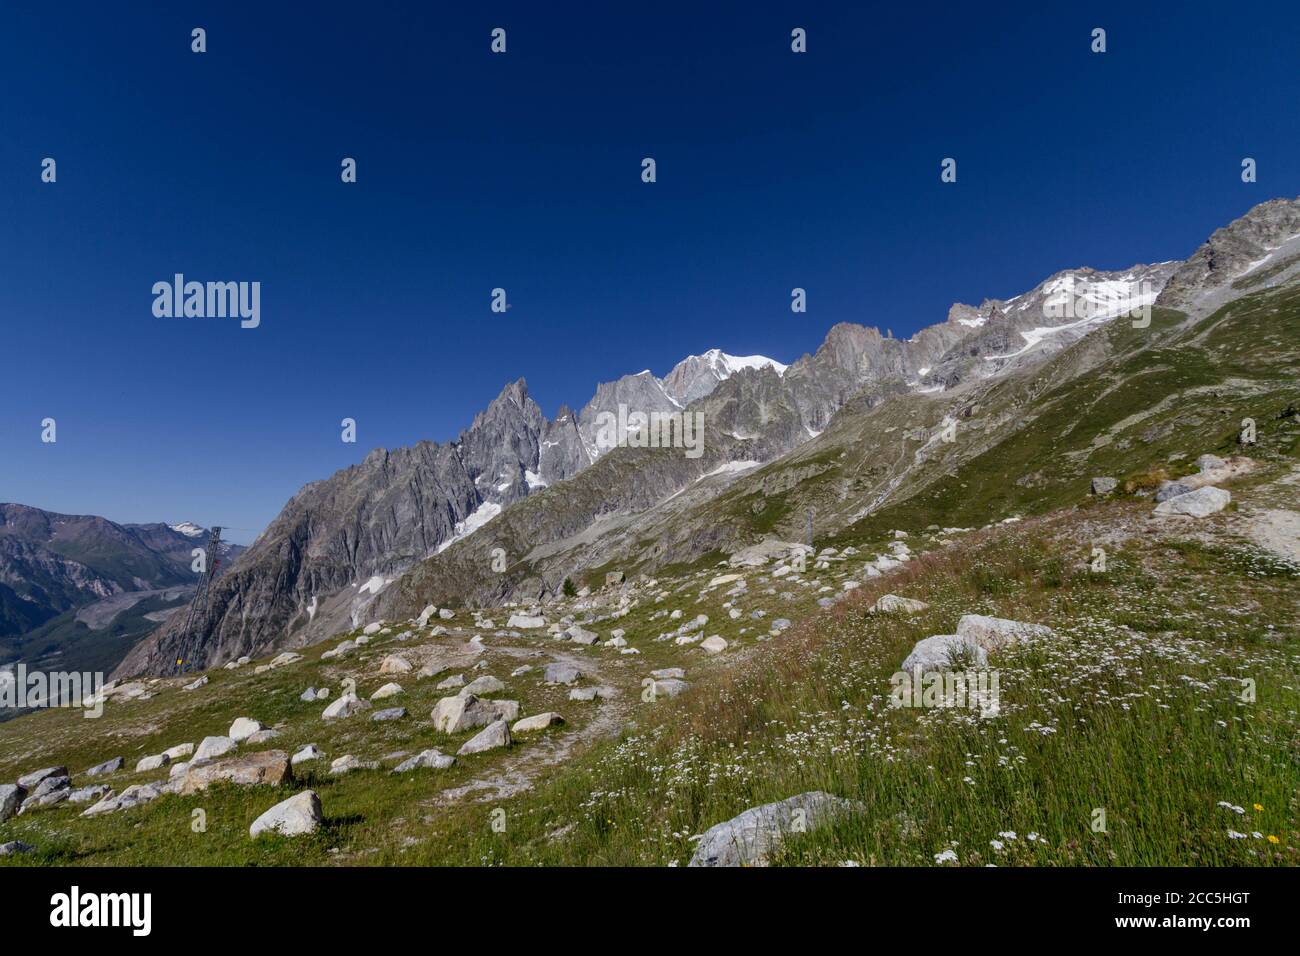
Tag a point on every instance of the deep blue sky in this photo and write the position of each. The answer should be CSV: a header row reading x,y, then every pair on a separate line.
x,y
523,171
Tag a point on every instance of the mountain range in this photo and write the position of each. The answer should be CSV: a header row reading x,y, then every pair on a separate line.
x,y
519,502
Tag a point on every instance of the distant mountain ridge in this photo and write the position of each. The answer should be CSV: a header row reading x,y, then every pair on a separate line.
x,y
423,514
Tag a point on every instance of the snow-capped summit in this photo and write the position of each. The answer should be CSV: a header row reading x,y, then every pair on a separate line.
x,y
696,375
189,529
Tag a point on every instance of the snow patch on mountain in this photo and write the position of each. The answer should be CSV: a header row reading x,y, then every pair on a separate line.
x,y
476,519
189,529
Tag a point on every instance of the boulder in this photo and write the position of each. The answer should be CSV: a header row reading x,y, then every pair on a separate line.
x,y
944,652
310,752
452,715
389,713
298,815
266,767
11,798
1104,486
561,673
262,736
108,766
670,687
395,664
32,780
128,798
211,748
14,847
750,838
308,695
713,645
892,603
1172,489
993,633
345,706
483,685
525,621
348,763
388,690
433,759
494,735
89,794
591,693
578,635
1196,504
243,728
668,673
152,763
196,684
371,629
427,613
180,750
455,680
536,722
178,769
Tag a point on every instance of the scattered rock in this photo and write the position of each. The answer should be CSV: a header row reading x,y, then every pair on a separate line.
x,y
1196,504
668,673
669,688
310,752
300,814
345,706
152,763
308,695
944,652
579,636
262,736
212,747
14,847
371,629
426,759
892,603
390,713
348,763
713,645
451,715
456,680
395,664
108,766
388,690
243,728
128,798
196,684
591,693
1104,486
32,780
536,722
994,633
180,750
483,685
561,673
525,621
494,735
750,838
89,794
266,767
11,798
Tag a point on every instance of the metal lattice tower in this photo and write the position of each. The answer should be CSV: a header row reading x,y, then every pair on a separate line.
x,y
199,606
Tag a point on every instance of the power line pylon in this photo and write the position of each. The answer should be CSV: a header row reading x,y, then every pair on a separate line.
x,y
188,643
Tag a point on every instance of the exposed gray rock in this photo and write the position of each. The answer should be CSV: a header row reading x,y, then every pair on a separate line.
x,y
452,715
31,780
389,713
750,838
1172,489
388,690
561,673
345,706
152,763
486,684
1196,504
1104,486
309,752
11,797
892,604
300,814
243,728
108,766
14,847
128,798
494,735
945,652
994,633
210,748
433,759
536,722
